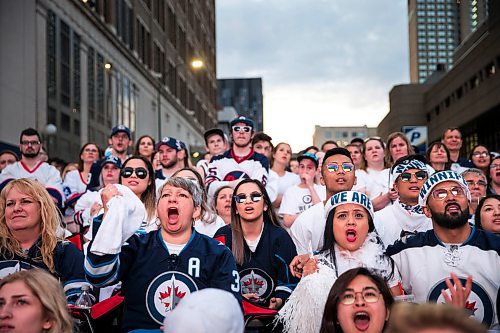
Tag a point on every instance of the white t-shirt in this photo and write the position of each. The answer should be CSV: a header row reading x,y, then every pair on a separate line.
x,y
174,248
377,182
209,229
297,200
286,181
309,228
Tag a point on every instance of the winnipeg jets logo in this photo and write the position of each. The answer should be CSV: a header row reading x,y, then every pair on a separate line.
x,y
165,293
9,267
256,281
479,304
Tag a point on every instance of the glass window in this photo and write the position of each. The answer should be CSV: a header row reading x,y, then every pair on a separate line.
x,y
65,59
51,55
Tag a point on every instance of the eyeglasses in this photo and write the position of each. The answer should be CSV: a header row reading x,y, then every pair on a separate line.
x,y
28,143
90,150
242,198
494,166
369,295
334,167
480,154
245,129
140,172
481,183
406,176
442,193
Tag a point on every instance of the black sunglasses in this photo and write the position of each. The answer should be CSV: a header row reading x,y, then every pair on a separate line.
x,y
139,172
420,175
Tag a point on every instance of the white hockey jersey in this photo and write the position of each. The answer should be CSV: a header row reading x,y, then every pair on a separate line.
x,y
44,173
425,262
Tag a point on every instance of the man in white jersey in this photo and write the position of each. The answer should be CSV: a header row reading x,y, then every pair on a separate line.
x,y
239,162
404,217
453,246
31,167
338,175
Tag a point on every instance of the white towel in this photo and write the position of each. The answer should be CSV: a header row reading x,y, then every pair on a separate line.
x,y
124,218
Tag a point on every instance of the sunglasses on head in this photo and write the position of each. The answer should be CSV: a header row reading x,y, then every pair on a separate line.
x,y
334,167
245,129
140,172
242,198
406,176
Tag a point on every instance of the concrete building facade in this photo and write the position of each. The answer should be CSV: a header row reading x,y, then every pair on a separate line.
x,y
85,66
245,95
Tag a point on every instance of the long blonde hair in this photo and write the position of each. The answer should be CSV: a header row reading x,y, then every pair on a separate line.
x,y
50,293
49,220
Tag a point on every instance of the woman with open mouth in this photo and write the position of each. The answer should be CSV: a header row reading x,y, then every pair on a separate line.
x,y
207,222
359,301
350,241
261,247
160,268
222,202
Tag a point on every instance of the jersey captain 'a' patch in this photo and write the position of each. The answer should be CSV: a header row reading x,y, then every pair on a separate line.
x,y
166,291
479,304
256,281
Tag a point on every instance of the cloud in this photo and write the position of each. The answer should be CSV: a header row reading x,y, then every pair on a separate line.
x,y
331,58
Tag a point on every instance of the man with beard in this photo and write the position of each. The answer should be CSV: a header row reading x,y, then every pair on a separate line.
x,y
169,150
31,167
239,162
453,247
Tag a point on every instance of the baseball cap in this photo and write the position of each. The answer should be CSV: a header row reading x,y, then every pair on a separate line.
x,y
310,156
171,142
244,120
121,128
438,178
113,160
213,131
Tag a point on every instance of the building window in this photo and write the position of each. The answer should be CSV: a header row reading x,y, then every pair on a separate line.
x,y
65,122
51,55
100,89
76,72
65,64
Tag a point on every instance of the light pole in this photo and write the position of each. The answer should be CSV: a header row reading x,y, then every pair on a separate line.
x,y
195,64
49,131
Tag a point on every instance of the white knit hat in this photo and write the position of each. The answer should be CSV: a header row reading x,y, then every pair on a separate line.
x,y
206,311
440,177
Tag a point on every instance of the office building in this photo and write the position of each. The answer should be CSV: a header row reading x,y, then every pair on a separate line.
x,y
85,66
436,28
466,96
245,95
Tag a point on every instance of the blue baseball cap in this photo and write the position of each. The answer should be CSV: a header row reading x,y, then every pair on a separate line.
x,y
113,160
121,128
310,156
244,120
171,142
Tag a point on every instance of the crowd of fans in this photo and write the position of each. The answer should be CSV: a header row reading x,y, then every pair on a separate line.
x,y
371,237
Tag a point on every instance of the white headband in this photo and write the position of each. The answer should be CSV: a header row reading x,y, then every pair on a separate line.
x,y
438,178
349,197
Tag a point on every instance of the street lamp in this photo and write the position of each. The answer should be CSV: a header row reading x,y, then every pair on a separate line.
x,y
195,64
49,131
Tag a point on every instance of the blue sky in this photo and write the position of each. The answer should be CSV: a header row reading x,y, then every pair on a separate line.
x,y
322,62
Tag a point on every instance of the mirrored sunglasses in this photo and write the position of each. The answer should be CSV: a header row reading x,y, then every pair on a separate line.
x,y
242,198
334,167
245,129
442,193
